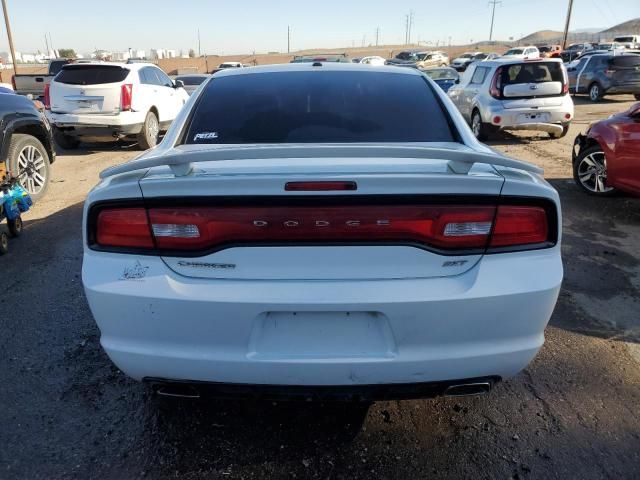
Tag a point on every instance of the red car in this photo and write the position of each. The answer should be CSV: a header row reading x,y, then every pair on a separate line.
x,y
607,158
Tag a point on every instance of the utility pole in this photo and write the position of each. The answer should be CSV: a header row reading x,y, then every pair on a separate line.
x,y
409,25
51,45
288,39
377,35
566,25
46,42
493,16
6,22
199,51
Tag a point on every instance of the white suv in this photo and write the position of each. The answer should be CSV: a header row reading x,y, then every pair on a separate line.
x,y
524,53
513,94
94,101
323,229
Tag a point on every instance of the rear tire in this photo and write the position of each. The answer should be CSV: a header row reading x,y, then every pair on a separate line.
x,y
565,130
637,96
4,243
595,92
148,136
482,131
15,226
29,161
67,142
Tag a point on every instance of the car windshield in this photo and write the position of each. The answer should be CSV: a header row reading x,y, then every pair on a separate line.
x,y
442,74
532,73
466,55
544,49
515,51
623,39
318,107
480,56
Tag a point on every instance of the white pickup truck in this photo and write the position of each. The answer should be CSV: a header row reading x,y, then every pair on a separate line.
x,y
33,84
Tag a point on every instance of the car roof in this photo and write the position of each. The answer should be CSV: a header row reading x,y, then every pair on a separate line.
x,y
193,75
309,66
507,61
129,66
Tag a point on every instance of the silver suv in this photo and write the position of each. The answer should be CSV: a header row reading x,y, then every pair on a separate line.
x,y
515,94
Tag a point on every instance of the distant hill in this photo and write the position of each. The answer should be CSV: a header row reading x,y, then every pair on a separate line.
x,y
631,27
541,36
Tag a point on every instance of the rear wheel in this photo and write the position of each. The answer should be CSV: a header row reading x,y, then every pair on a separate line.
x,y
595,92
15,226
590,172
65,141
148,136
29,161
4,243
637,96
565,130
482,131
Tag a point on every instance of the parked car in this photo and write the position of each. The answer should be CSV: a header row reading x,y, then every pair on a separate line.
x,y
628,41
550,51
609,46
26,144
372,60
99,101
404,56
605,74
445,77
224,65
191,81
322,57
524,53
321,231
432,59
34,84
513,94
605,159
575,50
462,62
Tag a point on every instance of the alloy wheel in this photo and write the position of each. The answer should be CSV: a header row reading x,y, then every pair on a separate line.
x,y
592,173
476,125
594,93
32,170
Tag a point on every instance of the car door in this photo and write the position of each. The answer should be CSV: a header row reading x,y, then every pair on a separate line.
x,y
171,99
588,74
473,89
574,74
624,170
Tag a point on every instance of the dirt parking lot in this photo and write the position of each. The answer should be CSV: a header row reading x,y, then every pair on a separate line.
x,y
67,412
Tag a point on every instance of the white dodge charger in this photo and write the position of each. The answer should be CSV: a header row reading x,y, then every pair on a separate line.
x,y
321,230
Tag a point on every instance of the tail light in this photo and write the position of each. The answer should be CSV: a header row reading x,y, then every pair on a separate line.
x,y
126,96
47,97
197,230
496,84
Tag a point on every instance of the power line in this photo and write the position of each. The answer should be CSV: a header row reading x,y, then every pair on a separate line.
x,y
493,16
408,18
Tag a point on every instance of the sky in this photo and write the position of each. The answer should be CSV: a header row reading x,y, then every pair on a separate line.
x,y
244,26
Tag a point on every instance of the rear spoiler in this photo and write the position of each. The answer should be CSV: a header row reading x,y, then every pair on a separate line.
x,y
182,162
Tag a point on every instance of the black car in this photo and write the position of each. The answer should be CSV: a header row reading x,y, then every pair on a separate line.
x,y
26,144
605,74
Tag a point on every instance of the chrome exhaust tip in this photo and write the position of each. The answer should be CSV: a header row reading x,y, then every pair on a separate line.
x,y
466,389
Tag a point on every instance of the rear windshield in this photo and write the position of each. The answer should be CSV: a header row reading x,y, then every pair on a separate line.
x,y
318,107
91,74
532,73
544,49
626,61
623,39
515,51
192,80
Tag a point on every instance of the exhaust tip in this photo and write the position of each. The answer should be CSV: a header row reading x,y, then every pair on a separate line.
x,y
177,391
466,389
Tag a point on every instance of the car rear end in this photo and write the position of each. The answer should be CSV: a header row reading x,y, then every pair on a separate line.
x,y
622,75
95,100
341,267
528,95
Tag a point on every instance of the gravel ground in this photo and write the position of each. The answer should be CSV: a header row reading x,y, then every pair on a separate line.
x,y
67,412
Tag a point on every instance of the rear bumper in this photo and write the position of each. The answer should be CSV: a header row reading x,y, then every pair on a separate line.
x,y
487,322
124,123
549,119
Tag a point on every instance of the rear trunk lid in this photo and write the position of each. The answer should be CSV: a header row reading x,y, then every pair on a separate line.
x,y
88,88
532,84
268,230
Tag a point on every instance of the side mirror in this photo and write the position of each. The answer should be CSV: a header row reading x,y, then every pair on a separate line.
x,y
178,84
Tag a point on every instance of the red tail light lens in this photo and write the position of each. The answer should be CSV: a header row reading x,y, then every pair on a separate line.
x,y
126,96
123,227
47,97
496,84
202,229
520,226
